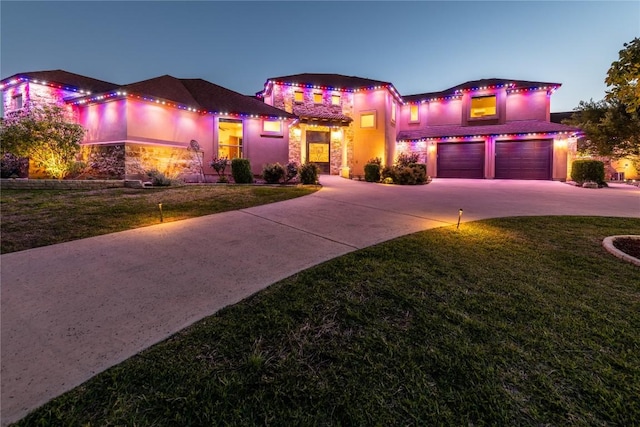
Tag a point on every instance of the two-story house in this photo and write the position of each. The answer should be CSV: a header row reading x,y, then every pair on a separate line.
x,y
344,121
493,128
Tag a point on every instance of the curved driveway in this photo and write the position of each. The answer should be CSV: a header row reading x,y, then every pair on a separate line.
x,y
74,309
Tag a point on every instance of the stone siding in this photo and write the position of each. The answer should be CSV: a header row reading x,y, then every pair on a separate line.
x,y
173,162
54,184
103,161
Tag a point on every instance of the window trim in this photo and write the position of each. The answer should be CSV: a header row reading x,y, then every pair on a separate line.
x,y
394,112
272,133
372,113
334,96
320,95
301,95
485,117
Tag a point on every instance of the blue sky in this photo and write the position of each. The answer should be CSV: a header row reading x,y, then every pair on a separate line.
x,y
418,46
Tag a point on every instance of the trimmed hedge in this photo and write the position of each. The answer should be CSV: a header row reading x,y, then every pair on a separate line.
x,y
273,173
309,173
372,172
587,170
241,171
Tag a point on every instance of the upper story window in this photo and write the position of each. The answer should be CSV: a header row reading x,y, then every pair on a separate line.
x,y
393,111
298,96
414,113
16,102
483,106
317,98
335,99
368,120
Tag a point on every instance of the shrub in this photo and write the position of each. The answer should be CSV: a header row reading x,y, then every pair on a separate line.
x,y
412,174
157,178
273,173
291,172
375,161
407,159
309,173
219,164
12,166
587,170
389,172
241,171
372,172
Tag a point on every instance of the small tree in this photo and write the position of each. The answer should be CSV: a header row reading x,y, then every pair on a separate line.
x,y
45,136
219,164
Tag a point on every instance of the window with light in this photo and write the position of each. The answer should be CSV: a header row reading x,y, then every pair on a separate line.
x,y
483,106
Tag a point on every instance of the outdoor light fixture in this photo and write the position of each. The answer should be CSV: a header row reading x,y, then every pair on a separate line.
x,y
160,208
459,217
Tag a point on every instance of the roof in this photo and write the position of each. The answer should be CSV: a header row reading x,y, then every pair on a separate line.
x,y
515,127
65,78
337,81
477,84
202,95
559,117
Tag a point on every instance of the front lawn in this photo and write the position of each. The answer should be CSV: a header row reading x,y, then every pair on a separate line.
x,y
517,321
32,218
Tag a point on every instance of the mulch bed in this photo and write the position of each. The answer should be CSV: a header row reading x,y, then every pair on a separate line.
x,y
628,246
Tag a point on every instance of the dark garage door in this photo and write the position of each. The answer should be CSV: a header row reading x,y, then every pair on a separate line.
x,y
461,160
524,160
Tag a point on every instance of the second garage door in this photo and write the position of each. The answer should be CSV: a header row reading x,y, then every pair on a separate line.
x,y
524,159
461,160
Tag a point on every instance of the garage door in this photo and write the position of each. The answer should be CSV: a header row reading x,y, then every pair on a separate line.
x,y
524,159
461,160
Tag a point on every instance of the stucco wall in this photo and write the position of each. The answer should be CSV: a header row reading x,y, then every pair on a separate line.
x,y
532,105
261,149
105,122
369,142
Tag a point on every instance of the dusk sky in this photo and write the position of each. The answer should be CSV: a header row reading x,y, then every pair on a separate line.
x,y
417,46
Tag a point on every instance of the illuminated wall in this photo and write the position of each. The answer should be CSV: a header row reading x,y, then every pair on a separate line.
x,y
106,122
261,149
370,142
530,105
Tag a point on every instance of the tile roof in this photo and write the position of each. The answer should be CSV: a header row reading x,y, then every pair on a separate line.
x,y
559,117
515,127
203,95
65,78
474,84
330,80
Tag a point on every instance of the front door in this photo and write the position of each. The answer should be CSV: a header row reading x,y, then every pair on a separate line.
x,y
318,149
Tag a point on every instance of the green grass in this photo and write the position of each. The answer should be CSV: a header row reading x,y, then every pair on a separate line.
x,y
517,321
43,217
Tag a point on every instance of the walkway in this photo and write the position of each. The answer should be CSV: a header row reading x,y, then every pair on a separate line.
x,y
72,310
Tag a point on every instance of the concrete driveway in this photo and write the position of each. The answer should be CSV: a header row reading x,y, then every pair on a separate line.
x,y
72,310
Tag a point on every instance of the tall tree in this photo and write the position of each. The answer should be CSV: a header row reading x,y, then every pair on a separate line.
x,y
624,77
612,126
46,136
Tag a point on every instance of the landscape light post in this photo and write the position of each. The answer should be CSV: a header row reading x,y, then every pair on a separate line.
x,y
459,217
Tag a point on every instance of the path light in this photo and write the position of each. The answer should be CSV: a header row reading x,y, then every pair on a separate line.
x,y
459,217
162,219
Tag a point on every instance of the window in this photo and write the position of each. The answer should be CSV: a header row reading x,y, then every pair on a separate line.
x,y
298,96
16,102
230,138
272,127
368,120
483,106
393,111
414,113
317,98
335,99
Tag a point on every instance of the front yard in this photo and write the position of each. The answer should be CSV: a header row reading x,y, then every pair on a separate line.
x,y
43,217
516,321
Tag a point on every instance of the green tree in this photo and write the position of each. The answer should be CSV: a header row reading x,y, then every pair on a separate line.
x,y
612,126
624,77
46,136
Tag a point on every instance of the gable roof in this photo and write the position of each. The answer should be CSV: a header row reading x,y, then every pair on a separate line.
x,y
336,81
509,128
65,79
200,95
477,84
